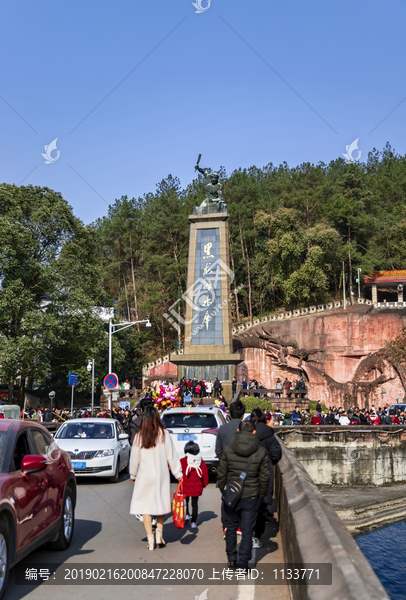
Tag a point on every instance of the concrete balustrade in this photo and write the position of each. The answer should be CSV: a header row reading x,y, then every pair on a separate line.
x,y
312,532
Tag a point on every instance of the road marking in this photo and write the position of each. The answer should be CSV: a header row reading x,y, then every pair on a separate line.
x,y
247,592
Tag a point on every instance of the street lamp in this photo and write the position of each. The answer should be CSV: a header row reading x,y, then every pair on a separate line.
x,y
90,367
358,280
119,327
51,397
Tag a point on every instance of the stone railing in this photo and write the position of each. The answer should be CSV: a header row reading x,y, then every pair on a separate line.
x,y
157,362
312,532
390,305
275,393
296,313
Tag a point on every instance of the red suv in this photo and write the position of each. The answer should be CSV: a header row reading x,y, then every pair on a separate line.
x,y
37,493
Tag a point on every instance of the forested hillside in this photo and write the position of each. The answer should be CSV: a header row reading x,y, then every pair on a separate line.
x,y
290,228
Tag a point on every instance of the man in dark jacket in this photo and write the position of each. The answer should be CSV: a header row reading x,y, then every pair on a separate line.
x,y
363,417
225,435
226,432
296,416
236,456
273,449
330,418
135,422
217,387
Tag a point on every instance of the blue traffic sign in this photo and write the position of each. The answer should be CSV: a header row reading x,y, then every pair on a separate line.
x,y
111,381
73,379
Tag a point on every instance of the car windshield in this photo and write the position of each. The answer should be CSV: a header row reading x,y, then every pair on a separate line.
x,y
192,419
86,431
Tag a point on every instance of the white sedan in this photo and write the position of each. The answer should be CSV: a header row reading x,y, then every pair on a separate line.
x,y
198,424
96,447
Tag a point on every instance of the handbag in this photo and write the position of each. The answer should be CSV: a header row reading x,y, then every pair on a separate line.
x,y
233,490
178,507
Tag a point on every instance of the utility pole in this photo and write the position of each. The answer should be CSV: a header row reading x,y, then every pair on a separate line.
x,y
359,283
343,286
110,334
92,387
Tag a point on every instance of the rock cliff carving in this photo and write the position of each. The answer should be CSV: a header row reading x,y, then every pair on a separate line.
x,y
361,390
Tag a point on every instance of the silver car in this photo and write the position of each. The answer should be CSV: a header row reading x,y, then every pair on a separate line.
x,y
96,446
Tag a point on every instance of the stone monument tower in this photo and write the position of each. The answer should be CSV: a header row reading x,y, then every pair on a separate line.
x,y
208,346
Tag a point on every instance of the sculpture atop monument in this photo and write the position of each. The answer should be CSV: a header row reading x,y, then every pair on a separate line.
x,y
213,201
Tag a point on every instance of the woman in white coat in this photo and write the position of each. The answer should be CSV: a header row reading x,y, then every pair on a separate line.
x,y
151,453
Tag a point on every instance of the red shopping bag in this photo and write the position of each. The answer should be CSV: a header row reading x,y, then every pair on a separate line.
x,y
178,507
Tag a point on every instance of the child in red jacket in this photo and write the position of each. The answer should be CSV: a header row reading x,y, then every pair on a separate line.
x,y
195,478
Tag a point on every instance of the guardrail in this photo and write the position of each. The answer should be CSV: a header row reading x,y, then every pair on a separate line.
x,y
312,532
283,394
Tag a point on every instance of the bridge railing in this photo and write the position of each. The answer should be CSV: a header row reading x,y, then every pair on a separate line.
x,y
276,393
312,532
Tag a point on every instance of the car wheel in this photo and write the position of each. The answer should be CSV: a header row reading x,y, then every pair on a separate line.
x,y
4,559
116,475
67,524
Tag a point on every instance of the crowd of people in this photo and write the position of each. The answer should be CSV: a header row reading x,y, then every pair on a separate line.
x,y
339,416
199,388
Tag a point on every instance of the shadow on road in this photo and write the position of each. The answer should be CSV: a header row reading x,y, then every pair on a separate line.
x,y
96,481
206,515
83,533
268,539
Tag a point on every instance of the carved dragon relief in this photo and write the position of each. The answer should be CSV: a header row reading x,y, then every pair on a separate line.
x,y
286,354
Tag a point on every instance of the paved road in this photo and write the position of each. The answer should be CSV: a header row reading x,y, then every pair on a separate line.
x,y
105,532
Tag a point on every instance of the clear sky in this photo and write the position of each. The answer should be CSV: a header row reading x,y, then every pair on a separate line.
x,y
134,91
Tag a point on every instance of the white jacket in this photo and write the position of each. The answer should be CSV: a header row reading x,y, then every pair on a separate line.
x,y
149,468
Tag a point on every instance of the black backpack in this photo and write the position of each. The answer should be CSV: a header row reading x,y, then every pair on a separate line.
x,y
388,420
233,490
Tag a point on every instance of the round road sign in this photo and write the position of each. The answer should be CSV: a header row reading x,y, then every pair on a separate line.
x,y
111,381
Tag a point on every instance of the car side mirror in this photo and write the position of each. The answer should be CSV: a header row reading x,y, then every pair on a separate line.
x,y
123,436
33,463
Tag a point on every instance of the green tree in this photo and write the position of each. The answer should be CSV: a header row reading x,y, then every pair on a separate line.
x,y
48,278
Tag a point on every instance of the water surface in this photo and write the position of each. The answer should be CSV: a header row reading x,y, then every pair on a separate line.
x,y
385,548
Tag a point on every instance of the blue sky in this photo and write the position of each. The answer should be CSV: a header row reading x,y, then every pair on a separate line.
x,y
214,83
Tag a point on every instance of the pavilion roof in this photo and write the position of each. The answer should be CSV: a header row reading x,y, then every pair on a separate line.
x,y
386,277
